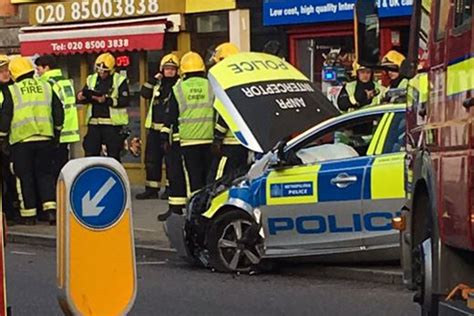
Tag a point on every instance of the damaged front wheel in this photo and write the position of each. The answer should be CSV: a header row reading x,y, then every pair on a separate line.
x,y
234,242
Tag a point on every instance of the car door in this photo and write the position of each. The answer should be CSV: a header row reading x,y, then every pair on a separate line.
x,y
386,186
316,207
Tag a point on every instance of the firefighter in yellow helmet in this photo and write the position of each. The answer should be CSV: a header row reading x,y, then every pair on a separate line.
x,y
48,70
107,94
363,91
396,90
230,156
191,117
157,90
32,116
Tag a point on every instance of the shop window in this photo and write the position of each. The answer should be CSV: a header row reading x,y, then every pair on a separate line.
x,y
132,146
71,68
153,59
444,7
462,13
212,23
327,61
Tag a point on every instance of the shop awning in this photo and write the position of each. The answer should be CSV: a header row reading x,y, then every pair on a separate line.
x,y
124,35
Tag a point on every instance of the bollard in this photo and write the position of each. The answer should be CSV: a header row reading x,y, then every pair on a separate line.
x,y
96,269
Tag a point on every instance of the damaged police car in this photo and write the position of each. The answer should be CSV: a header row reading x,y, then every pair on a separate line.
x,y
331,191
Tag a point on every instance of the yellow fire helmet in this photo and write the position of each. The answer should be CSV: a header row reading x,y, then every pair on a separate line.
x,y
224,50
105,62
393,59
4,60
356,67
170,60
20,66
192,62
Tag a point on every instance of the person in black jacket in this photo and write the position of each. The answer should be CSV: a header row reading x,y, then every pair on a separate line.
x,y
158,90
10,195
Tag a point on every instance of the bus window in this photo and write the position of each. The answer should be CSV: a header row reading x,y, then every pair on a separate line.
x,y
463,13
442,18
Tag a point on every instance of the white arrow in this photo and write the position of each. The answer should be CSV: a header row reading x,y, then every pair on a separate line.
x,y
90,207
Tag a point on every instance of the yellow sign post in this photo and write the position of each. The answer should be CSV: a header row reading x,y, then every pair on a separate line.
x,y
96,270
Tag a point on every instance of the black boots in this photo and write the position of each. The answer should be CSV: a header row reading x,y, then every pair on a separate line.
x,y
28,221
165,195
48,216
51,216
176,209
149,194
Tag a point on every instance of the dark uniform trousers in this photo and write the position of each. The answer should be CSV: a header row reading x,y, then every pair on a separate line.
x,y
61,157
10,196
197,163
108,135
154,156
175,172
32,165
234,159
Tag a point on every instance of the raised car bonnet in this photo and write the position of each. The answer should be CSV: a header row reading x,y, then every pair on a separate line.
x,y
264,99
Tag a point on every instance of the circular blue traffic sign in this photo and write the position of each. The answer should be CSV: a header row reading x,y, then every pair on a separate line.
x,y
98,197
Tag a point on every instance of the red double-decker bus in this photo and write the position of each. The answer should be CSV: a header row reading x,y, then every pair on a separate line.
x,y
437,225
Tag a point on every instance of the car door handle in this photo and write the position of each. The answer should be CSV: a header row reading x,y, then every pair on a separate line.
x,y
343,180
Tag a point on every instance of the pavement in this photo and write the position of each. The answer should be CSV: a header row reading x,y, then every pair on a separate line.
x,y
170,287
151,241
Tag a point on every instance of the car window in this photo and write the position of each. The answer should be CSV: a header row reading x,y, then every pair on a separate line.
x,y
348,139
395,141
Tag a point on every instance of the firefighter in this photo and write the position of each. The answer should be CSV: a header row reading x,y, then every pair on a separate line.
x,y
158,90
177,191
34,127
108,95
392,62
8,179
191,111
230,156
48,71
364,91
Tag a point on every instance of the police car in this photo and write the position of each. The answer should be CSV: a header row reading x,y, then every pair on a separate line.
x,y
329,192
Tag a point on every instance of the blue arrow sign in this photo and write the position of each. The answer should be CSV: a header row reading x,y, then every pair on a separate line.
x,y
98,197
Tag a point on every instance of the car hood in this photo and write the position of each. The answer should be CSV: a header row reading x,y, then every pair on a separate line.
x,y
263,99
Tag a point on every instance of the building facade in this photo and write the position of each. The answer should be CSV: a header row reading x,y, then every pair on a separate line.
x,y
320,35
138,33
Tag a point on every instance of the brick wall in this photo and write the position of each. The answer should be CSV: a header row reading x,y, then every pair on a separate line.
x,y
9,29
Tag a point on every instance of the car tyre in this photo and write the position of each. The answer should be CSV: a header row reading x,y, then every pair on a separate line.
x,y
234,243
423,261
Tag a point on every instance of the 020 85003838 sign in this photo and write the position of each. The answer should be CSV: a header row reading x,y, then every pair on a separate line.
x,y
77,10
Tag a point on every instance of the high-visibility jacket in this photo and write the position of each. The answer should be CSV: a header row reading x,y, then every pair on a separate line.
x,y
118,116
149,118
196,112
351,90
64,89
32,111
222,131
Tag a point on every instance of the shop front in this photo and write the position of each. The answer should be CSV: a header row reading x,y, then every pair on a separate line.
x,y
321,35
137,32
133,42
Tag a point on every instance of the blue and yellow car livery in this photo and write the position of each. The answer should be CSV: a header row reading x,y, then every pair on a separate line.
x,y
287,207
